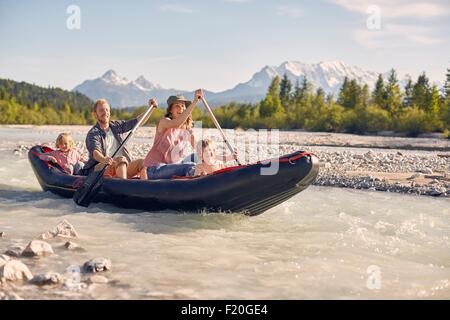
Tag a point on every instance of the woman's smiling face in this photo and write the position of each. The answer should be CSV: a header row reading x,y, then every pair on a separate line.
x,y
177,108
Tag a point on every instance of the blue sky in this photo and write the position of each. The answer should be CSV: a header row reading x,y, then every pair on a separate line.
x,y
216,44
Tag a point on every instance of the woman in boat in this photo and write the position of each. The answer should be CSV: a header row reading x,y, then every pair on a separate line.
x,y
173,134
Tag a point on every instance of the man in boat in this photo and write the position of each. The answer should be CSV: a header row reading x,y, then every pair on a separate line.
x,y
105,137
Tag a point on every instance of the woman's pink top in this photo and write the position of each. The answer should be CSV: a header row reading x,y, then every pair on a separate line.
x,y
64,159
168,146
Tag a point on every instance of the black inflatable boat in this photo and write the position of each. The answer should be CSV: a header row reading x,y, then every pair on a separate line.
x,y
234,189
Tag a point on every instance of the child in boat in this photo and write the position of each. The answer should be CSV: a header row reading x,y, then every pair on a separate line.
x,y
210,162
66,155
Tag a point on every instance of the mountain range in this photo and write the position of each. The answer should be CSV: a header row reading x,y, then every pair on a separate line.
x,y
329,75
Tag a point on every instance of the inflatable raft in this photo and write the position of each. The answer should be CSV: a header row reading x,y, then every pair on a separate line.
x,y
241,189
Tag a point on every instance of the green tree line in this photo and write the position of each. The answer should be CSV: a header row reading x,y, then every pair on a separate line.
x,y
419,108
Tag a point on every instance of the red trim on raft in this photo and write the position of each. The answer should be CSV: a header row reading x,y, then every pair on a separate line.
x,y
281,160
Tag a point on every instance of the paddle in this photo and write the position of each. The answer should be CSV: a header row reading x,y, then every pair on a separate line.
x,y
91,185
216,123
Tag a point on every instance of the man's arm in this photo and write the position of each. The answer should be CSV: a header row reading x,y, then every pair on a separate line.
x,y
101,158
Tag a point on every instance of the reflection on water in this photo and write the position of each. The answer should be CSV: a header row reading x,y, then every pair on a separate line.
x,y
319,244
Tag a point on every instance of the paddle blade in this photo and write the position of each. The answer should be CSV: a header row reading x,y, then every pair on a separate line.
x,y
89,189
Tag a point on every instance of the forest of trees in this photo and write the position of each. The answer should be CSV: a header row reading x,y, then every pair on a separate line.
x,y
24,103
419,107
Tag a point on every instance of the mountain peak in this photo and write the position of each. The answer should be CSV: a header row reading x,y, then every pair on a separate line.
x,y
145,84
112,76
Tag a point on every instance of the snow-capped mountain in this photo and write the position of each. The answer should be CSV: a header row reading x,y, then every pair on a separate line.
x,y
120,92
329,75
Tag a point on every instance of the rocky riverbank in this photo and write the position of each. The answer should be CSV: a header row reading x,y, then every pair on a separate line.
x,y
23,267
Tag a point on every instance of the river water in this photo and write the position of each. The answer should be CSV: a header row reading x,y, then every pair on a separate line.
x,y
325,243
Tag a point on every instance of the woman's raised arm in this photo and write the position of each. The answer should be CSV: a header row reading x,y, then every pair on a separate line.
x,y
175,123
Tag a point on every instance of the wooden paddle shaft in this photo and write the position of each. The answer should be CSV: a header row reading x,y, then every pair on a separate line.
x,y
216,123
149,111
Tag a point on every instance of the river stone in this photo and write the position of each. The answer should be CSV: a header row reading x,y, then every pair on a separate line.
x,y
70,245
15,270
3,260
426,170
37,248
63,229
98,279
49,278
14,251
97,265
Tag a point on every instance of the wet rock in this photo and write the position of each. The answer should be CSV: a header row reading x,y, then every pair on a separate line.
x,y
98,279
14,270
5,257
70,245
14,251
415,176
426,170
49,278
3,261
37,248
97,265
63,229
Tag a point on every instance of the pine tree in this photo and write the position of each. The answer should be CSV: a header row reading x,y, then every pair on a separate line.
x,y
285,91
365,95
343,92
408,93
420,92
319,98
350,95
447,85
271,103
297,91
303,91
432,101
379,93
393,94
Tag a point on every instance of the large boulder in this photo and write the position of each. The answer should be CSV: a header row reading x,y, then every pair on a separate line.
x,y
37,248
63,229
97,265
14,270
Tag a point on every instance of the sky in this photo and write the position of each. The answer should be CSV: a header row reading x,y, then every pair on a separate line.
x,y
216,44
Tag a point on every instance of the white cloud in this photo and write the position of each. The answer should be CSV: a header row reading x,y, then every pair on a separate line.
x,y
290,11
175,8
399,8
394,33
